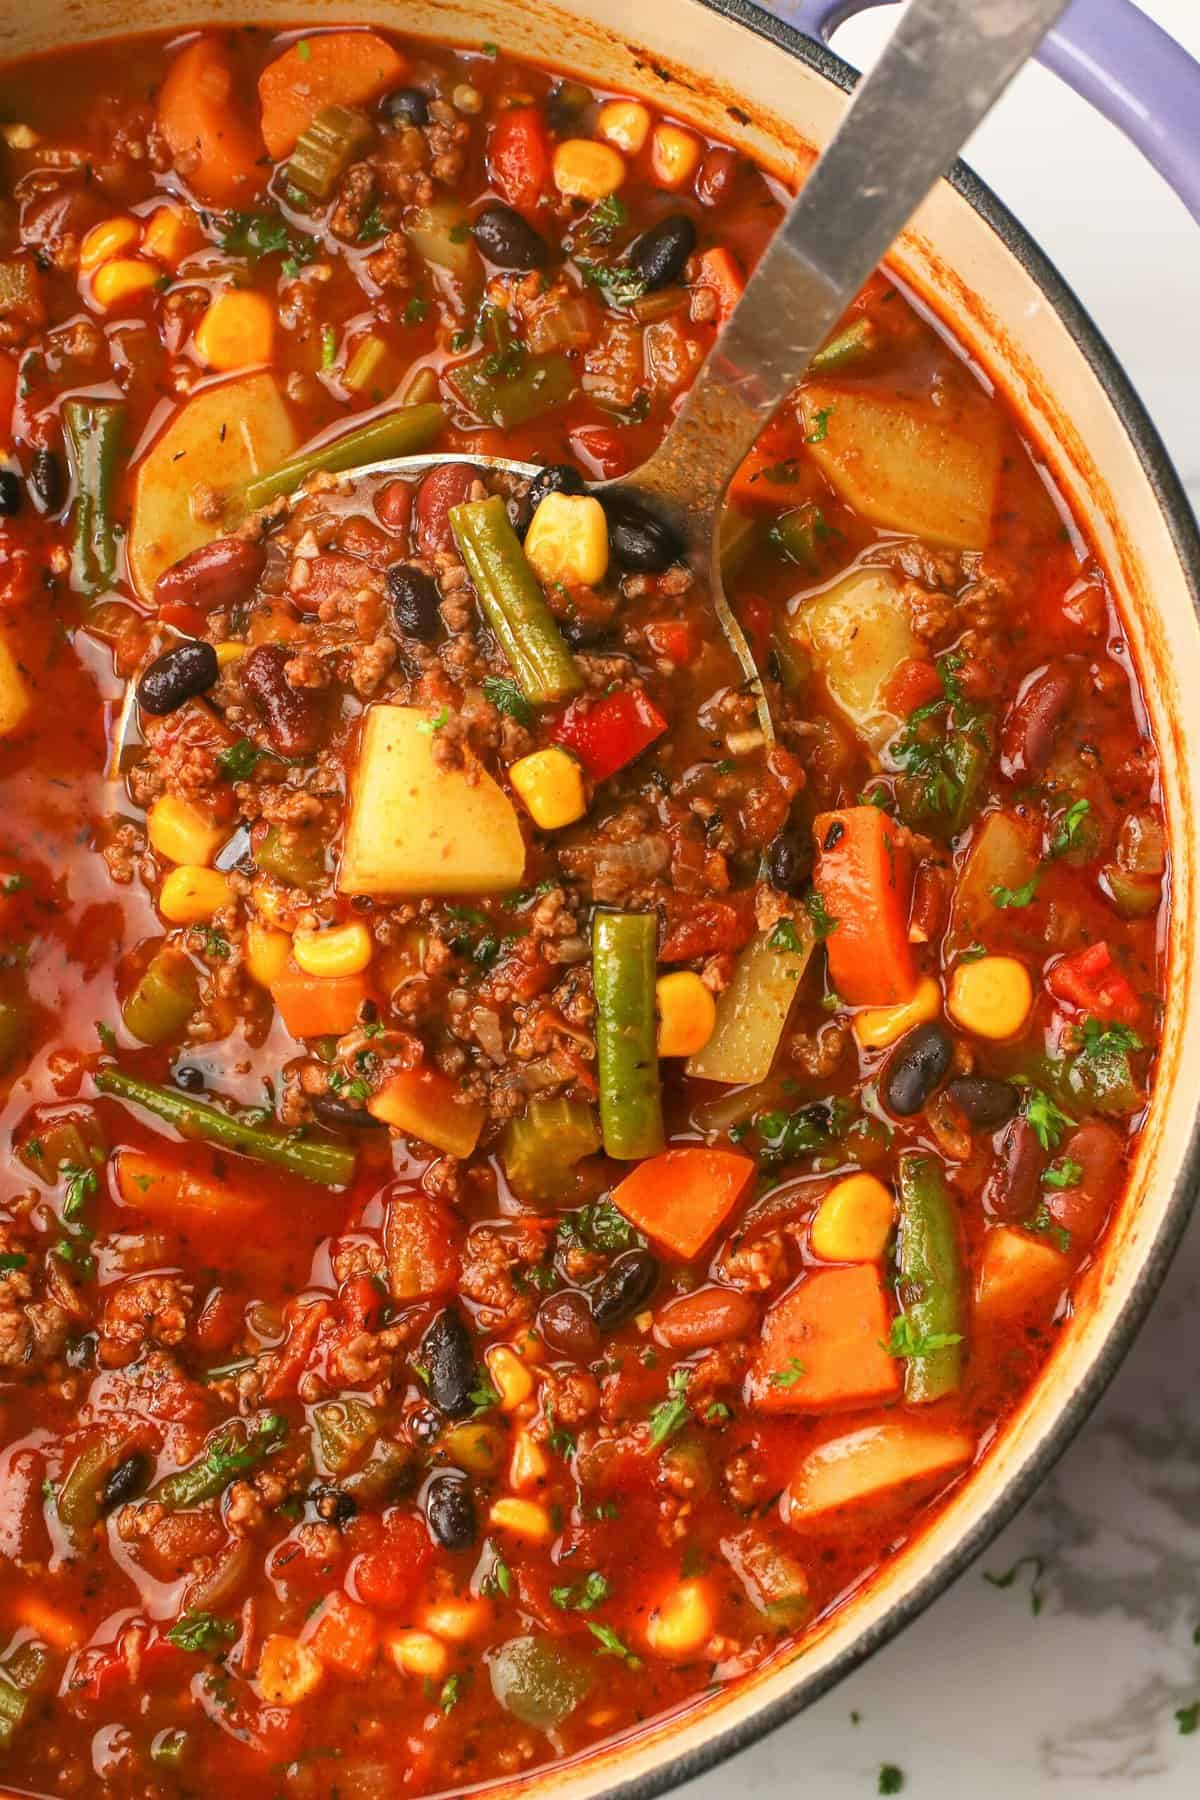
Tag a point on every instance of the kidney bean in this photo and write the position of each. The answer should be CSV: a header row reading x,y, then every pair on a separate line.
x,y
394,505
448,1355
660,254
931,900
450,1513
446,486
363,537
565,1321
1027,741
628,1284
708,1316
715,176
1082,1209
214,574
983,1102
293,716
176,676
1013,1188
916,1067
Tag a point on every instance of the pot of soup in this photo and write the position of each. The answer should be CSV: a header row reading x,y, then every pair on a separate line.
x,y
543,1220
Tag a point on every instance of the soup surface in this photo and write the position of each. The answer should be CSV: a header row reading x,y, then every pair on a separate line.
x,y
535,1160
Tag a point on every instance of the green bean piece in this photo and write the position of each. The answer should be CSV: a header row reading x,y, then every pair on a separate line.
x,y
24,1673
385,1475
506,399
512,601
405,432
71,1141
79,1497
539,1150
94,430
931,1281
238,1448
846,347
624,961
344,1429
332,1165
326,148
801,535
163,1001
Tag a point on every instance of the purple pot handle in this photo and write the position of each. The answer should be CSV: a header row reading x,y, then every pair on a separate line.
x,y
1109,52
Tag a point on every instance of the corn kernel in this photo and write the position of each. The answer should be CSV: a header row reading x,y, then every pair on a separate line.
x,y
687,1013
170,236
682,1624
477,1448
181,832
418,1653
229,652
587,170
530,1465
274,903
523,1518
266,953
237,331
550,782
512,1380
991,998
341,950
854,1221
126,278
568,540
191,895
288,1671
457,1621
877,1026
625,123
674,156
110,238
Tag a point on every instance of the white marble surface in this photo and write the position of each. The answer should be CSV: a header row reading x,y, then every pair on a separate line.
x,y
980,1697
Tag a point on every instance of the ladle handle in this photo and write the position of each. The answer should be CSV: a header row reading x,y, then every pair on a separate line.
x,y
943,67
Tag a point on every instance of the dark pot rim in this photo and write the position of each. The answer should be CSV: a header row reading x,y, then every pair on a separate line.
x,y
1181,523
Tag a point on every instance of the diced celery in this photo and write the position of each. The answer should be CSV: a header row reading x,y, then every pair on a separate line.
x,y
326,148
164,999
753,1010
539,1150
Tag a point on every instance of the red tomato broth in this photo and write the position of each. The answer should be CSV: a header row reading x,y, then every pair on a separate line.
x,y
162,1329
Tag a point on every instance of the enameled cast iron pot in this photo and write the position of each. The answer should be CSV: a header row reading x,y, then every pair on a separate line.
x,y
773,88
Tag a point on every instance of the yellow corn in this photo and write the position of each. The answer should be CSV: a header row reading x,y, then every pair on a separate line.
x,y
111,237
991,998
854,1221
523,1518
687,1013
170,236
418,1653
681,1625
341,950
880,1025
274,903
530,1465
477,1448
125,278
181,832
510,1377
625,123
587,170
674,156
230,652
568,540
191,895
550,782
266,953
456,1621
237,331
288,1671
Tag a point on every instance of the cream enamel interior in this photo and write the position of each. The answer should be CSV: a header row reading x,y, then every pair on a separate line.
x,y
679,55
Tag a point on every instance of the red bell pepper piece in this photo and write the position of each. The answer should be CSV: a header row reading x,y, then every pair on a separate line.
x,y
345,1634
519,157
386,1575
295,1351
672,638
705,927
1090,980
606,734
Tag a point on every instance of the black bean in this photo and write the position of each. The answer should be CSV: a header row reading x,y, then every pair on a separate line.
x,y
448,1356
627,1286
984,1102
555,478
915,1069
341,1115
565,1321
416,602
335,1506
126,1481
584,633
450,1512
10,493
179,673
507,240
660,254
790,859
406,106
638,541
48,481
189,1078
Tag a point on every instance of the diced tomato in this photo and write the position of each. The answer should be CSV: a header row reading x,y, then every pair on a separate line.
x,y
8,398
721,272
387,1575
606,734
233,1706
333,572
360,1303
704,927
600,450
1090,980
911,683
294,1352
519,157
345,1634
19,577
137,1657
672,638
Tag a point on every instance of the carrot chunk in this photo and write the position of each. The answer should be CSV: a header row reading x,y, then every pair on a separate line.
x,y
334,68
165,1190
864,878
319,1005
210,134
680,1197
824,1345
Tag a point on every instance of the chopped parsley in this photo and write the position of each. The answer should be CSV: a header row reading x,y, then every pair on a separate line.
x,y
786,937
1066,1174
1069,828
611,1645
906,1341
942,748
483,1394
438,723
372,226
582,1596
599,1226
201,1632
451,1692
239,761
11,1260
1007,1579
1188,1718
1006,897
673,1413
716,1412
81,1185
810,1131
507,697
1048,1120
415,310
824,924
229,1454
1044,1224
328,346
820,430
619,284
107,1035
255,235
792,1372
499,1577
606,217
891,1779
